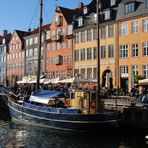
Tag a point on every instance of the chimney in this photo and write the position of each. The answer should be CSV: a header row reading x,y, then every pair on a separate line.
x,y
5,32
80,5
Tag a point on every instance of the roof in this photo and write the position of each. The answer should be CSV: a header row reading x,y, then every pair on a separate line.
x,y
139,10
21,34
68,13
36,31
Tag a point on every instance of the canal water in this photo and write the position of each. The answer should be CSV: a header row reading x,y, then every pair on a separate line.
x,y
14,135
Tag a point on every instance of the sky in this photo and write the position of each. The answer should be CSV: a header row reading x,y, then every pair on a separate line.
x,y
24,14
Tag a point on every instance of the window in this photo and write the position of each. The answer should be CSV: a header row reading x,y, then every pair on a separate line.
x,y
103,32
63,74
134,50
53,33
69,43
93,18
89,54
94,73
145,48
69,59
89,35
76,55
112,2
80,22
95,53
82,54
64,59
111,31
27,42
30,41
83,73
76,72
58,73
103,52
145,25
124,29
77,37
31,52
89,73
107,14
135,70
135,26
124,69
124,51
129,8
70,28
83,36
48,46
58,20
63,45
48,35
53,46
147,4
94,34
145,71
85,10
63,30
52,74
111,51
58,46
35,51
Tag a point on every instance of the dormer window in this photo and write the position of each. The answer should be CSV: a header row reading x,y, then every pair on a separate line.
x,y
85,10
93,18
4,41
107,14
112,2
80,21
129,7
58,20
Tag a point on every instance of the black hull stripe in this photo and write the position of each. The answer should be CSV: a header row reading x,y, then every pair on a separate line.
x,y
44,126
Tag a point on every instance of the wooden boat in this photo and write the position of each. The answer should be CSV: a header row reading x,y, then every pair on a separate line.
x,y
37,111
82,115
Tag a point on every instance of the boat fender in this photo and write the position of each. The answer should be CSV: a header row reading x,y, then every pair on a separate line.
x,y
146,139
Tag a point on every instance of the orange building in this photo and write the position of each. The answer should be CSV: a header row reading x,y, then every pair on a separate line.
x,y
15,57
59,52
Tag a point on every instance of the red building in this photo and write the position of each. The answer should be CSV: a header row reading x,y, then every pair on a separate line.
x,y
15,57
59,54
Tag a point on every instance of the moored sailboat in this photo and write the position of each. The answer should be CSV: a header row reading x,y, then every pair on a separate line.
x,y
50,108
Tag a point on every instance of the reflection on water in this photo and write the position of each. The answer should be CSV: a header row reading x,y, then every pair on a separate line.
x,y
18,135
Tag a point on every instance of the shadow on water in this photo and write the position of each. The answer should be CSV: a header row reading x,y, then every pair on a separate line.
x,y
18,135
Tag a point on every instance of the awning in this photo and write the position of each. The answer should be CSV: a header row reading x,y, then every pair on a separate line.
x,y
55,80
70,80
143,82
34,81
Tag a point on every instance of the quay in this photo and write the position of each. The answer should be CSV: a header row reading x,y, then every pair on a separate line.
x,y
120,103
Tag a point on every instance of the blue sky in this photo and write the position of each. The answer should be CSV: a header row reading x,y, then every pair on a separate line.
x,y
23,14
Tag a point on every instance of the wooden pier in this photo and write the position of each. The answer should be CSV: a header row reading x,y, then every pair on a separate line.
x,y
120,103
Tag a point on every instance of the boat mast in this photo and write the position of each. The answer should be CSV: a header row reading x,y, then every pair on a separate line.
x,y
39,47
98,57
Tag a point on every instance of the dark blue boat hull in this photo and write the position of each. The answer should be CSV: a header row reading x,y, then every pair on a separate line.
x,y
76,122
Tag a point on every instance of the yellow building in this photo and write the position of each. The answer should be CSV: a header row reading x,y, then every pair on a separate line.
x,y
133,42
123,34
